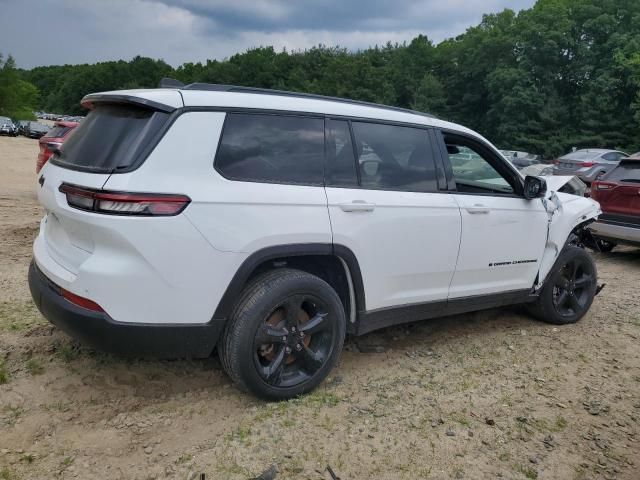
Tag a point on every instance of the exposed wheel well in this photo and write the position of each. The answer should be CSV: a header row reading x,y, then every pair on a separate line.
x,y
334,264
327,267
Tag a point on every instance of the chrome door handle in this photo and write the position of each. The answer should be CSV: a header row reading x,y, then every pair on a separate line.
x,y
357,206
478,209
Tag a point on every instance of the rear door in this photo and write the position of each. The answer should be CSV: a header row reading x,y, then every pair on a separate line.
x,y
385,206
503,234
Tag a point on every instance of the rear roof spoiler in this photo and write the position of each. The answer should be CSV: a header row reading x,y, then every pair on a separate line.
x,y
93,98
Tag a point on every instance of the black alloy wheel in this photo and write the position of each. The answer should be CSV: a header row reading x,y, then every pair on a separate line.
x,y
572,288
294,342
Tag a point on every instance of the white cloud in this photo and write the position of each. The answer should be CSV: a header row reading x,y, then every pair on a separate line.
x,y
86,31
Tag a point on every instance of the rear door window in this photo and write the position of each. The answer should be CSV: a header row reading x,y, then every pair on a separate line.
x,y
392,157
111,139
272,148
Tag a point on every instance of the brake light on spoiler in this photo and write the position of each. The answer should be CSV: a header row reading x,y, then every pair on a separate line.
x,y
124,203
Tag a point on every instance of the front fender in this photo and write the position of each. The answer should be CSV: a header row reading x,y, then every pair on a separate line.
x,y
566,212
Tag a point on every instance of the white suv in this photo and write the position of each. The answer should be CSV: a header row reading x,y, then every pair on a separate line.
x,y
270,224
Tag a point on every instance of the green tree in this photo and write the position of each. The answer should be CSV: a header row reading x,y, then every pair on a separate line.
x,y
18,98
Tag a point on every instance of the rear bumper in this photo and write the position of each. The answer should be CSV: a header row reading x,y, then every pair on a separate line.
x,y
617,233
102,332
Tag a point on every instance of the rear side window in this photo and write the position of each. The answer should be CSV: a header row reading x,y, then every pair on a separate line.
x,y
272,148
111,139
58,131
627,171
394,158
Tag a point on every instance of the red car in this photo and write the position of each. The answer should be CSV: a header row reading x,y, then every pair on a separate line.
x,y
52,140
618,193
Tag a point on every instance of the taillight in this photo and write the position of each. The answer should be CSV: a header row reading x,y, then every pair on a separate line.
x,y
121,203
556,162
586,164
81,301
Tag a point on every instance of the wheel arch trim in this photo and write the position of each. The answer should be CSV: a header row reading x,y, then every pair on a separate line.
x,y
251,263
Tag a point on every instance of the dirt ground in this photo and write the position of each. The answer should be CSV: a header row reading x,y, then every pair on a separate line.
x,y
487,395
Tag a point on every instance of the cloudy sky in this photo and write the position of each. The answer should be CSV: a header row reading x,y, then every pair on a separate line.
x,y
47,32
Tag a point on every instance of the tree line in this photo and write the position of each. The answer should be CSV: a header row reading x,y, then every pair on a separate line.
x,y
562,74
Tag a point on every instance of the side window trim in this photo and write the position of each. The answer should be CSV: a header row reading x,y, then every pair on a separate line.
x,y
444,158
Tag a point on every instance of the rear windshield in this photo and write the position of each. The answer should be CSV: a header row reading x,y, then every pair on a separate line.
x,y
110,139
579,156
58,131
627,171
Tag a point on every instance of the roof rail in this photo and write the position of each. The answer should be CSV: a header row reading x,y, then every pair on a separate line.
x,y
214,87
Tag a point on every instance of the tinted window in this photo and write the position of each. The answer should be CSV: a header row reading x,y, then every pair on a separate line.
x,y
58,131
394,158
110,139
627,171
272,148
611,157
340,156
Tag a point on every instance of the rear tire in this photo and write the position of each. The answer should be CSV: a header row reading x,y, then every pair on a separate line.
x,y
569,289
284,336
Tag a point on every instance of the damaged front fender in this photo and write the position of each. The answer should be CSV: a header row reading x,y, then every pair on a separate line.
x,y
567,213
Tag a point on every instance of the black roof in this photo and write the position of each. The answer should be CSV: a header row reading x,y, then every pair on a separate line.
x,y
215,87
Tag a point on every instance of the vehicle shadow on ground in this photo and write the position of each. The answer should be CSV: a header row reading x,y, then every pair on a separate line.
x,y
95,371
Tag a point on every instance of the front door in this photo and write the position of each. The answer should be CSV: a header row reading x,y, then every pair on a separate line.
x,y
503,234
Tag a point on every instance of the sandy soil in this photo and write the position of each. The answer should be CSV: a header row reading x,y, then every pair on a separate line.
x,y
487,395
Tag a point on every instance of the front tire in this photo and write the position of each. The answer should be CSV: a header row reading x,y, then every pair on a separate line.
x,y
569,289
284,336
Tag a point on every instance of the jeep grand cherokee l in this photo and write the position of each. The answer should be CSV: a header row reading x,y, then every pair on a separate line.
x,y
270,224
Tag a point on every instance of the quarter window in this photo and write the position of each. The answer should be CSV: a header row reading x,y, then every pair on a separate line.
x,y
394,158
272,148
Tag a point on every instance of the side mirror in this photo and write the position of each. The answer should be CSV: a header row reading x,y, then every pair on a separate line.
x,y
534,187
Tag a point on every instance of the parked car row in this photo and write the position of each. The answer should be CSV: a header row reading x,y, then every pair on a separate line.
x,y
7,127
59,118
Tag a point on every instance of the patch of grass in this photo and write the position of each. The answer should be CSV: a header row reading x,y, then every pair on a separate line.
x,y
18,316
68,461
319,398
504,456
241,434
27,458
14,414
5,474
528,472
461,419
184,458
4,374
66,352
34,367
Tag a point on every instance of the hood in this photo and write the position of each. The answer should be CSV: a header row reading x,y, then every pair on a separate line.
x,y
555,183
